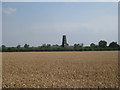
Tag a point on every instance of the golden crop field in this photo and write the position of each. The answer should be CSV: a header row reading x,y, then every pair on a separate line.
x,y
90,69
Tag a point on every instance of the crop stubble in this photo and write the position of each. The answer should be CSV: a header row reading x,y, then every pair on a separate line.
x,y
89,69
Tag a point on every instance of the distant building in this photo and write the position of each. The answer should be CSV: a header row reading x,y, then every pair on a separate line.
x,y
64,41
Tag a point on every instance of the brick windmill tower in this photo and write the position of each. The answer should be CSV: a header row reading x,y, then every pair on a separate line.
x,y
64,41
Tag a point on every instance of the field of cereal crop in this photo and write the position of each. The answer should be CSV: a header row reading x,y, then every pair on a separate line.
x,y
88,69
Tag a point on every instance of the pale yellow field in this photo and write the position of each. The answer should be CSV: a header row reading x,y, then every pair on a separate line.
x,y
60,69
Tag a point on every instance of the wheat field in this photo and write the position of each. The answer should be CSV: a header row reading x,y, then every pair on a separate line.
x,y
87,69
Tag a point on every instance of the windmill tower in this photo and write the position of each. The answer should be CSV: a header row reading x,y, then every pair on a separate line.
x,y
64,41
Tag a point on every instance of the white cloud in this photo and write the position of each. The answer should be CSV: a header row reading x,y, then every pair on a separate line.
x,y
9,10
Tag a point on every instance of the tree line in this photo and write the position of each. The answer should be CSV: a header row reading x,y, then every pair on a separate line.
x,y
102,46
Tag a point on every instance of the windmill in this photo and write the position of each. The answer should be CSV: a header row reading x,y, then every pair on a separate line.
x,y
64,41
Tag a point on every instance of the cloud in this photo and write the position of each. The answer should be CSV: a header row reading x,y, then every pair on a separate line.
x,y
9,10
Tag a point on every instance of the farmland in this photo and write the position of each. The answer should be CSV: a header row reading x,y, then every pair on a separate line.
x,y
90,69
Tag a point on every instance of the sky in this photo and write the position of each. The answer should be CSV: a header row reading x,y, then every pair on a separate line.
x,y
36,23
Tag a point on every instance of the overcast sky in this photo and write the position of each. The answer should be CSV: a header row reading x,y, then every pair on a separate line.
x,y
46,22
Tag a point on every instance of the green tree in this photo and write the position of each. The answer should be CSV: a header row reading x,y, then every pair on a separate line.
x,y
102,44
3,46
81,44
43,45
48,45
18,46
92,45
56,45
26,46
113,45
76,45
